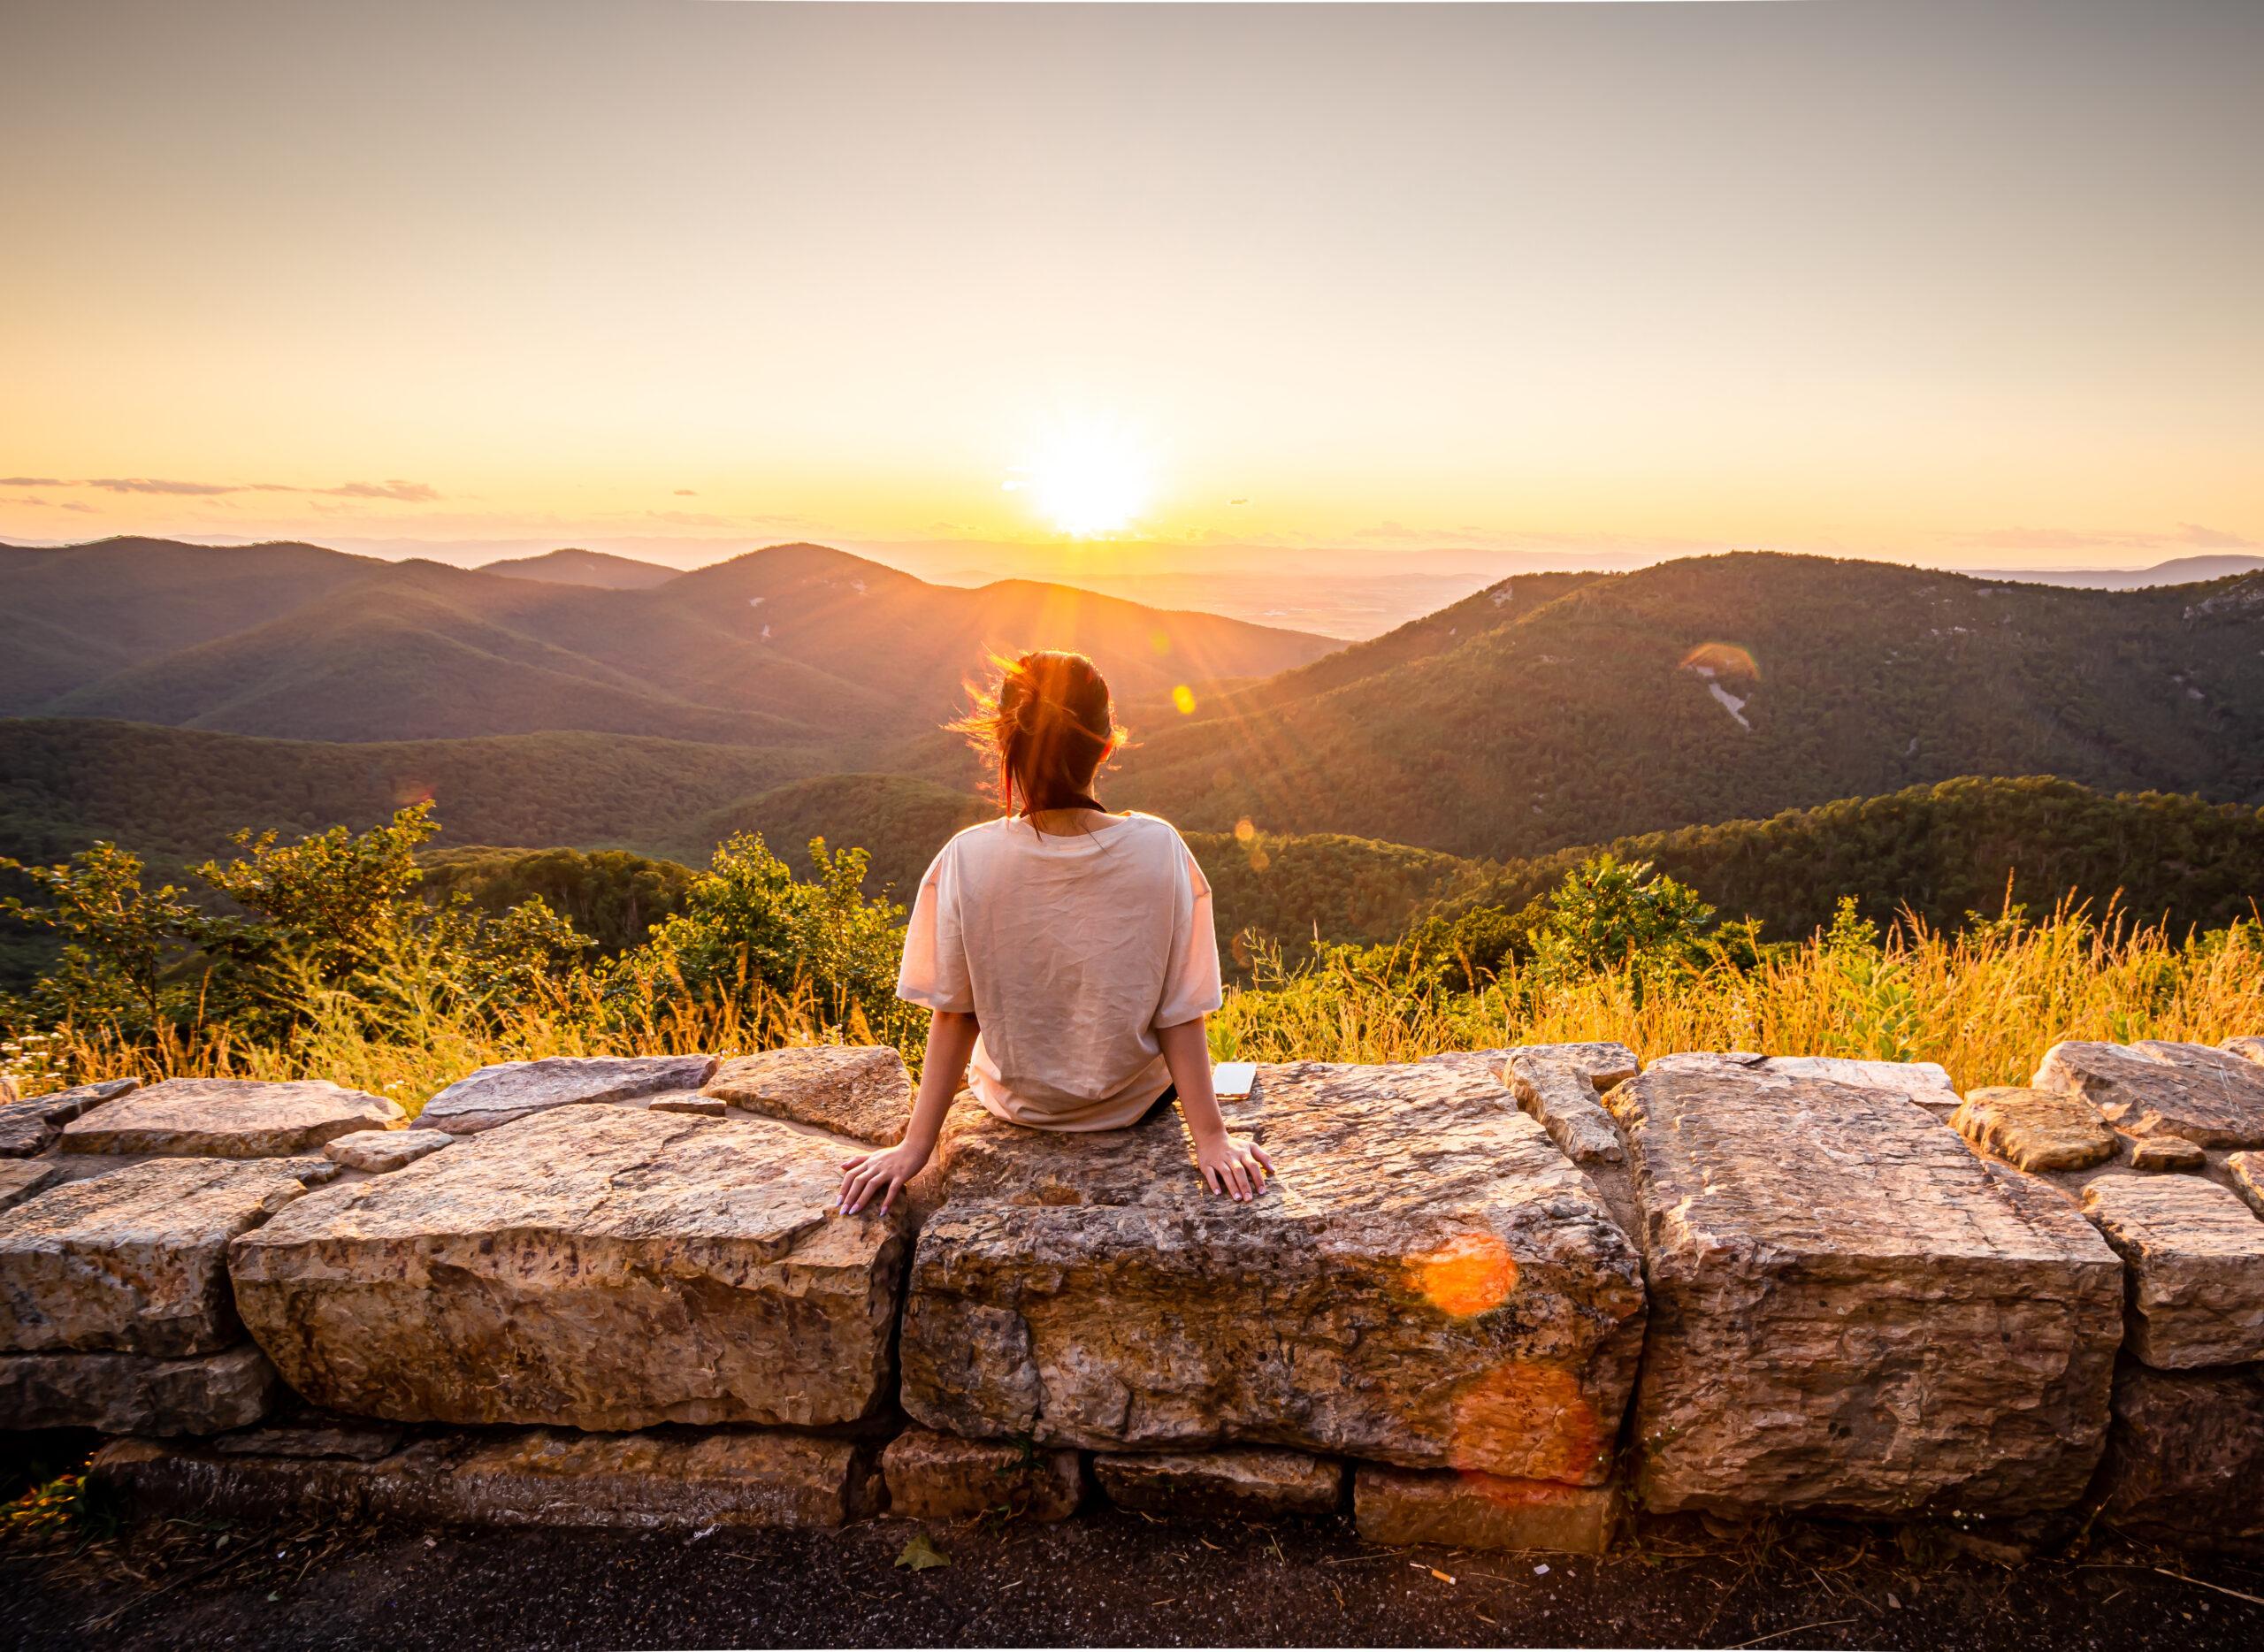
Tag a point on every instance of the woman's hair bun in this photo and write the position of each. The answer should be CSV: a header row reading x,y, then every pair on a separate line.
x,y
1048,723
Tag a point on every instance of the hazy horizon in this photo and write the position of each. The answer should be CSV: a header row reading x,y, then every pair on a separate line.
x,y
1122,294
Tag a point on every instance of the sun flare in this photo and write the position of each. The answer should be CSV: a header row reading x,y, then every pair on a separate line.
x,y
1086,478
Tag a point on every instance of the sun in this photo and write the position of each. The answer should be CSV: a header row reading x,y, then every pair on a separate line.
x,y
1087,478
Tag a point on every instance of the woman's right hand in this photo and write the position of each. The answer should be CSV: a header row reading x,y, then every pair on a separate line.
x,y
885,1172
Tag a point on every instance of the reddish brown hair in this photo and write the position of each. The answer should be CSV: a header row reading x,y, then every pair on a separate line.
x,y
1049,725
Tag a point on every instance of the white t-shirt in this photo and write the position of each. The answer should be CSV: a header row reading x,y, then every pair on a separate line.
x,y
1071,950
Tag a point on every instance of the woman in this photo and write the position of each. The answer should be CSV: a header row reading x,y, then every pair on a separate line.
x,y
1067,953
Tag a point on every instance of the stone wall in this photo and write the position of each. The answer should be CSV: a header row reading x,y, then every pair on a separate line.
x,y
1492,1297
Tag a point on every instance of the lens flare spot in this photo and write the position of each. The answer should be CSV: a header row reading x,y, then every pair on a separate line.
x,y
1722,659
1259,859
1471,1274
1159,641
1183,697
1244,831
1528,1421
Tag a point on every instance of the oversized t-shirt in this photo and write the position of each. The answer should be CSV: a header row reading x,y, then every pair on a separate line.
x,y
1070,950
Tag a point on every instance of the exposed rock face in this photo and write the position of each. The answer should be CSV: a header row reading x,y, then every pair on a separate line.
x,y
228,1118
2246,1172
862,1091
1558,1084
137,1394
2036,1130
2185,1463
2206,1097
1252,1484
1850,1311
605,1268
691,1102
134,1261
2164,1152
2197,1267
2248,1045
314,1433
19,1178
638,1481
939,1477
1426,1282
384,1150
1392,1505
27,1125
515,1090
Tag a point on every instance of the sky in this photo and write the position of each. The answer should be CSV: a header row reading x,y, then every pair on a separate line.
x,y
1127,288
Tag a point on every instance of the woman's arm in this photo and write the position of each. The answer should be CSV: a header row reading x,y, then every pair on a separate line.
x,y
1230,1165
950,1043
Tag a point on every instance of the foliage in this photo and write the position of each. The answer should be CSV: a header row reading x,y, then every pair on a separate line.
x,y
121,939
610,895
1613,914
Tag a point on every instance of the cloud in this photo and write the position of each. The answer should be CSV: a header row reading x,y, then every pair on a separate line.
x,y
45,504
685,493
395,487
2189,535
2213,539
31,481
152,485
408,492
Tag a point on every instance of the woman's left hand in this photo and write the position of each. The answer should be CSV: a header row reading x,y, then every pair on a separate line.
x,y
1235,1166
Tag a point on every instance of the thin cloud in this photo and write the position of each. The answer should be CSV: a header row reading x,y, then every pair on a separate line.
x,y
393,488
31,481
44,504
2189,535
154,485
685,493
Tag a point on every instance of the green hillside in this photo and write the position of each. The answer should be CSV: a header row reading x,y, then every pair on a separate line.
x,y
1729,687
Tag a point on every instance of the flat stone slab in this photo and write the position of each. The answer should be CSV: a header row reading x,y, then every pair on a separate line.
x,y
601,1269
29,1124
860,1092
939,1477
384,1150
314,1433
2196,1254
2185,1463
1925,1083
2036,1130
2163,1152
1400,1506
1852,1312
228,1118
2246,1171
1250,1483
1558,1084
1427,1281
134,1261
689,1101
509,1091
138,1394
660,1482
19,1178
2206,1097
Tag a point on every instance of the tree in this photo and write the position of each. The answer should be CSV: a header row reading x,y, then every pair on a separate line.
x,y
122,940
1612,914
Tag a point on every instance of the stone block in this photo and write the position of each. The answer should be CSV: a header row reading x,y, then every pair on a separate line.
x,y
384,1150
1851,1311
860,1092
1248,1483
313,1434
662,1481
139,1394
228,1118
29,1124
940,1477
2196,1255
1400,1506
1558,1084
2163,1152
691,1102
2207,1097
2246,1171
510,1091
1926,1084
2249,1046
21,1178
2185,1461
1428,1281
602,1268
2036,1130
134,1260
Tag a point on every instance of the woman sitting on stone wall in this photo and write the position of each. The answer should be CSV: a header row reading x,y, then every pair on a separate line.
x,y
1067,953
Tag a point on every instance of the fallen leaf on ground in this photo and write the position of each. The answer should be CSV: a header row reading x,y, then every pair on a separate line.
x,y
920,1553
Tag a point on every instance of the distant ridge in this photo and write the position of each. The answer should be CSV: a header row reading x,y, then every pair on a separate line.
x,y
573,566
2182,570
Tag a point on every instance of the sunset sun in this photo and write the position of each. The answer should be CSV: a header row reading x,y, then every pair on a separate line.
x,y
1086,478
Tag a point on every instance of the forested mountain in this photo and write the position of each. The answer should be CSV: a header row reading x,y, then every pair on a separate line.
x,y
573,566
1724,687
794,645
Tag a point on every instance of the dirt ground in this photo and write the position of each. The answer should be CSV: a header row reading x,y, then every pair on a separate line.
x,y
1108,1578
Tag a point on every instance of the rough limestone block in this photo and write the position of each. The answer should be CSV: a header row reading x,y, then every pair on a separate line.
x,y
1852,1312
2036,1130
939,1477
139,1394
134,1261
603,1268
384,1150
1558,1085
1399,1506
1428,1281
862,1091
691,1102
2249,1046
19,1178
2246,1171
28,1124
2185,1462
2163,1152
313,1434
1925,1083
510,1091
534,1478
2204,1096
2196,1255
228,1118
1250,1483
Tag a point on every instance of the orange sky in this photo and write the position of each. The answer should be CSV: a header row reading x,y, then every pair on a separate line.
x,y
1973,285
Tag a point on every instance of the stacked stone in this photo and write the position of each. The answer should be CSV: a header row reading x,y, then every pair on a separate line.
x,y
2158,1143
